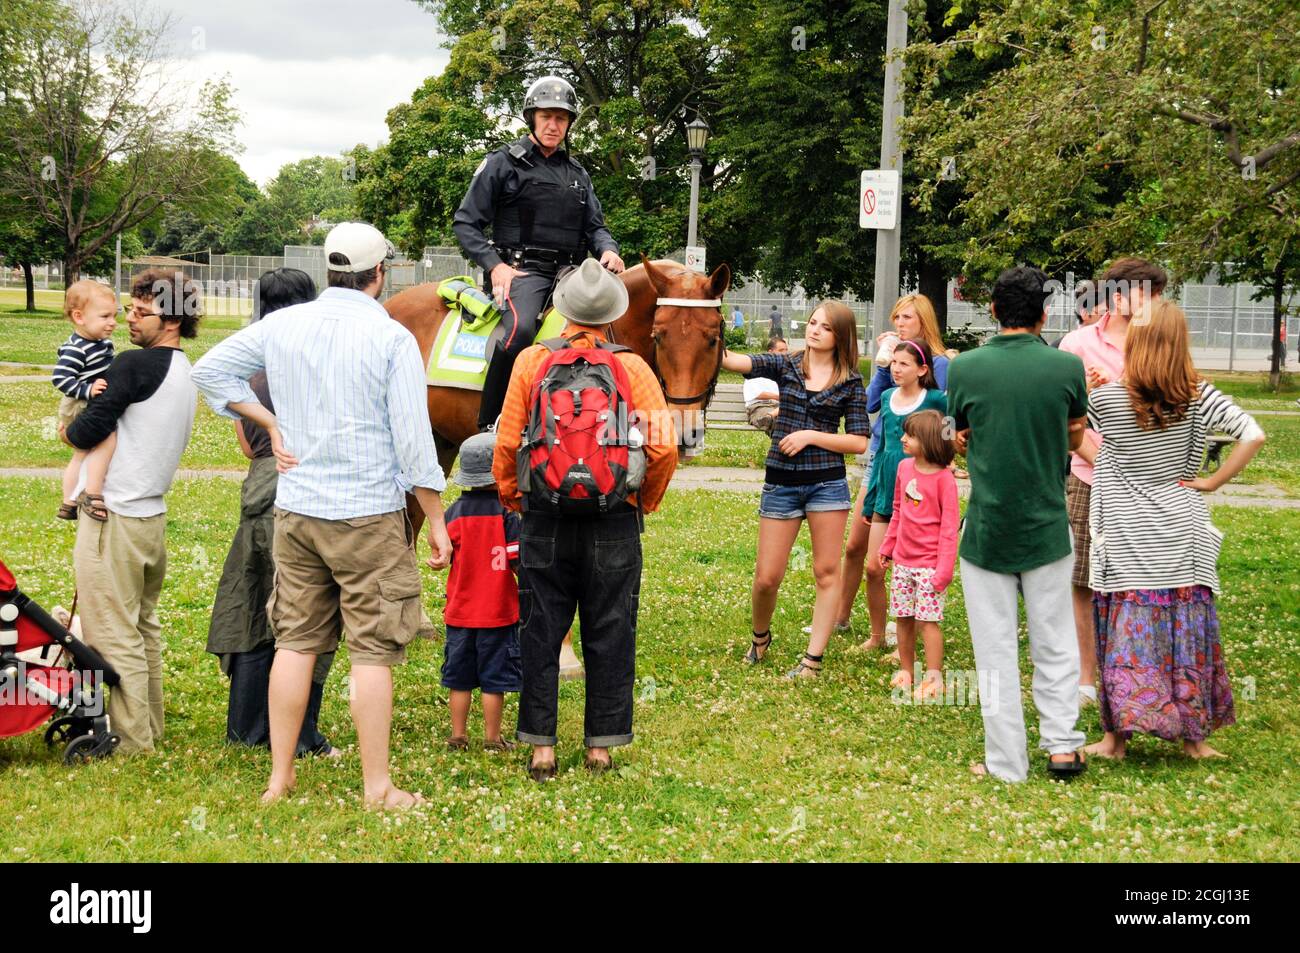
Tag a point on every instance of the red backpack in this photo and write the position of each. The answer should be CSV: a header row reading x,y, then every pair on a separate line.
x,y
579,454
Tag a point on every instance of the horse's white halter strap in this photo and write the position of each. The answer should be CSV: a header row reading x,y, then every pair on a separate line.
x,y
689,302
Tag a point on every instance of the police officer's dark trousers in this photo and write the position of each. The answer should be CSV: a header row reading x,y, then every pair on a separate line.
x,y
521,317
593,566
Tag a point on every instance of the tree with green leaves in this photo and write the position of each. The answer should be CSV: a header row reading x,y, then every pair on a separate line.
x,y
99,133
297,205
1192,103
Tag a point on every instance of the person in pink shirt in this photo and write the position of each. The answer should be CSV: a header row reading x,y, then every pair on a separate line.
x,y
922,544
1125,287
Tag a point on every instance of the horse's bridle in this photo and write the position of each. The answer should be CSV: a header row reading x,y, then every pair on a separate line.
x,y
694,303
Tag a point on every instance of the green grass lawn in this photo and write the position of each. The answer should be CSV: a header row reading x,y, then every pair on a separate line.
x,y
730,763
35,339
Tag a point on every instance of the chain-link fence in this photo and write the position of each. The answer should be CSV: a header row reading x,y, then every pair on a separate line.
x,y
1228,329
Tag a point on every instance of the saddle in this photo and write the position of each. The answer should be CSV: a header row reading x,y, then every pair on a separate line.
x,y
469,333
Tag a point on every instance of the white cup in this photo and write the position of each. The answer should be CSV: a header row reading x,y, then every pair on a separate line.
x,y
886,353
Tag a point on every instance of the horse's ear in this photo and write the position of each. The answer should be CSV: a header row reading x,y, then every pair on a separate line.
x,y
658,280
720,281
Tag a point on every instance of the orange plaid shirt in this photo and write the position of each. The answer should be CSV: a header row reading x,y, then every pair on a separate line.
x,y
647,401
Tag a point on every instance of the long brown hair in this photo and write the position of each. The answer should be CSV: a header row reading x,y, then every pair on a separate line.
x,y
1158,368
845,328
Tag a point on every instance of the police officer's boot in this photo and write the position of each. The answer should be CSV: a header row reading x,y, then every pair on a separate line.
x,y
495,385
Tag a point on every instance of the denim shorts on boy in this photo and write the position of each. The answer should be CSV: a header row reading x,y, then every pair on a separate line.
x,y
912,597
486,659
792,502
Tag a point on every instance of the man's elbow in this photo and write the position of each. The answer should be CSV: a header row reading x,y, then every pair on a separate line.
x,y
860,445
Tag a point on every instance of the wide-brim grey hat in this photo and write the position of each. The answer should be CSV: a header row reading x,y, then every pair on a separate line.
x,y
475,461
591,295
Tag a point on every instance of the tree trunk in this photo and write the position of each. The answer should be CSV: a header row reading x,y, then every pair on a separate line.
x,y
1279,342
933,283
30,282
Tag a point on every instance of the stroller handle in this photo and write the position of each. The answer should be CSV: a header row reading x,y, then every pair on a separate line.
x,y
86,656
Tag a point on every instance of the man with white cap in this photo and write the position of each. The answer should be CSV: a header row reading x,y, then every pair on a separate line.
x,y
589,564
351,436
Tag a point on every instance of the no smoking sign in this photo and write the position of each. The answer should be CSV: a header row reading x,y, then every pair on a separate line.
x,y
878,199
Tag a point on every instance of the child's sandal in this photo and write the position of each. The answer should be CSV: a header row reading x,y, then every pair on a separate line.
x,y
93,505
67,511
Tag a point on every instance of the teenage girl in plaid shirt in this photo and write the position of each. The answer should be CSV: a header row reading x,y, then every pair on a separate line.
x,y
806,477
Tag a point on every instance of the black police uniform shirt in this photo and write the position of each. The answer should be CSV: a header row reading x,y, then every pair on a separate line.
x,y
531,200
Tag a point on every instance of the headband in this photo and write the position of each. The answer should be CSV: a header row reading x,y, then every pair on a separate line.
x,y
917,349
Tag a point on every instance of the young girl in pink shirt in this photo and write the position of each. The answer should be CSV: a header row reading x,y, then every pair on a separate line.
x,y
922,544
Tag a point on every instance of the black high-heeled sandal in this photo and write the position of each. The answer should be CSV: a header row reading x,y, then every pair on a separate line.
x,y
809,663
759,641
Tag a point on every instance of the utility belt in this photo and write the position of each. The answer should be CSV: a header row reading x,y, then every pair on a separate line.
x,y
534,255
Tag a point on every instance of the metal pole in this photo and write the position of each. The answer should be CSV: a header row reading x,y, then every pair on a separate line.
x,y
1232,341
117,271
695,201
888,243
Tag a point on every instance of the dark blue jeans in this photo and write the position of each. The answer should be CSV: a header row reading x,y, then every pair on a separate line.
x,y
593,567
247,720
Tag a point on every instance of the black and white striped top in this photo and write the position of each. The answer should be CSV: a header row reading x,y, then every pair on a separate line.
x,y
1147,531
81,360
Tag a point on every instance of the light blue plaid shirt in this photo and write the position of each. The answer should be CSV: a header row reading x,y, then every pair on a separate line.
x,y
348,386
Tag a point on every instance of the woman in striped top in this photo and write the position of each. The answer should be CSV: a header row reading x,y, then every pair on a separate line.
x,y
1154,549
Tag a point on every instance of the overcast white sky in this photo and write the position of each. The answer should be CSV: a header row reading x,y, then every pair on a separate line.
x,y
312,77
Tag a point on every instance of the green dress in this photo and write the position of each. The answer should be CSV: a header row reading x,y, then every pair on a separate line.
x,y
880,491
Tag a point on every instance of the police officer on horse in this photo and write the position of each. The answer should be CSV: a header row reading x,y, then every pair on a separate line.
x,y
544,217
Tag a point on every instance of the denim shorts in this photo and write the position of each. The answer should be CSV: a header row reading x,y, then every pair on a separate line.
x,y
792,502
486,659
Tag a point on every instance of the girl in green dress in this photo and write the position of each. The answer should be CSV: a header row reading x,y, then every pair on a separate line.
x,y
913,371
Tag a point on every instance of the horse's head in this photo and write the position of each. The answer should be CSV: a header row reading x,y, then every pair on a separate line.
x,y
687,338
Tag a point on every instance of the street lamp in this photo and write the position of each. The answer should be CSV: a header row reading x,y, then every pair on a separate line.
x,y
697,135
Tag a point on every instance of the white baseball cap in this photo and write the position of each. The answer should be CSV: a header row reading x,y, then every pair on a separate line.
x,y
363,245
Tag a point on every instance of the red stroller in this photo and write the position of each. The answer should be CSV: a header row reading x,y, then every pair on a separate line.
x,y
47,672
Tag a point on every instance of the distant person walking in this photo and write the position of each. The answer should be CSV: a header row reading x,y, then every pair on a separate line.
x,y
776,323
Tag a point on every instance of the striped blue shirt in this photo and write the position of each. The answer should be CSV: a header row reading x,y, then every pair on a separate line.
x,y
81,361
348,386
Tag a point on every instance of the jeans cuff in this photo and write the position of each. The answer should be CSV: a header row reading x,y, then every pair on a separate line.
x,y
607,741
546,741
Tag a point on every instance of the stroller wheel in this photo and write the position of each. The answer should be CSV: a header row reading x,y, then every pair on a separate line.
x,y
82,750
58,731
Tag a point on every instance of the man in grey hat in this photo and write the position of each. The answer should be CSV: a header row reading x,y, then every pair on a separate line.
x,y
585,564
539,204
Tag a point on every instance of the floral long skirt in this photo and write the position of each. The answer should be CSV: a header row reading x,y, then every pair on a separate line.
x,y
1162,670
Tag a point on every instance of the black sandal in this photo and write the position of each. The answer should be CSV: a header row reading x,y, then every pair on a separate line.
x,y
1067,769
759,641
809,663
93,504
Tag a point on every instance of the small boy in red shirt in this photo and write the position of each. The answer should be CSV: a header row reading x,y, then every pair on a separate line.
x,y
482,611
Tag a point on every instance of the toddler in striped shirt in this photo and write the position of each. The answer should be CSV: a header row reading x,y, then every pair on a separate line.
x,y
79,374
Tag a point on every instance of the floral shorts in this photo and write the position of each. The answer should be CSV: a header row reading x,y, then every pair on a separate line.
x,y
912,596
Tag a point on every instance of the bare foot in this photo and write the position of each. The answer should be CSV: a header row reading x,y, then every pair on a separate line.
x,y
1110,746
901,679
979,769
1200,750
275,790
394,799
872,644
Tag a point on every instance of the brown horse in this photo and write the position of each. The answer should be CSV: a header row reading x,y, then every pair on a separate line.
x,y
679,338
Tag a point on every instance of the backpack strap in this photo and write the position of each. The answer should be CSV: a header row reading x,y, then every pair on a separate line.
x,y
612,348
555,344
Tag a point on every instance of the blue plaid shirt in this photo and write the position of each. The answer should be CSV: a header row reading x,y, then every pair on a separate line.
x,y
803,410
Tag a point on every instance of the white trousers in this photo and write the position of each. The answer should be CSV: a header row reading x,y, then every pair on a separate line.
x,y
991,608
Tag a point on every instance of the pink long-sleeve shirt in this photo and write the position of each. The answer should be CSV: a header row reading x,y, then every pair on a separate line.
x,y
923,531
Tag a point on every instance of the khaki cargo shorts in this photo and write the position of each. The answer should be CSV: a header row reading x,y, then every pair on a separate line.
x,y
357,576
69,408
